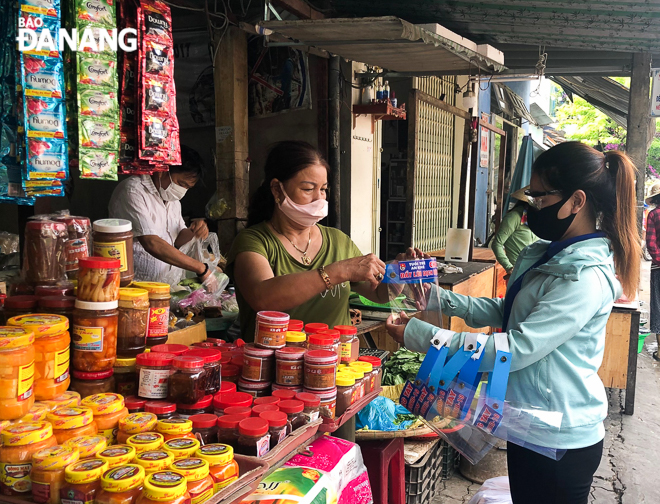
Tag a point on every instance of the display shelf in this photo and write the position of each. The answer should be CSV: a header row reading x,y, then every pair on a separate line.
x,y
290,445
331,425
379,112
251,471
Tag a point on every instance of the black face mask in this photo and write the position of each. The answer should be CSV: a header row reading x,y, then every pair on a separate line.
x,y
546,225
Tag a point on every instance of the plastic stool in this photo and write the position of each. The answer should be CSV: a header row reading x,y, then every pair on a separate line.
x,y
386,468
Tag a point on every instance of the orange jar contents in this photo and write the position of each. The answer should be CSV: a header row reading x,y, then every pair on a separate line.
x,y
83,481
69,422
94,336
223,468
98,279
37,413
165,487
258,363
121,485
20,442
270,329
108,410
117,455
47,474
154,460
181,447
196,471
172,428
135,423
146,441
289,366
88,446
51,353
320,366
16,372
159,311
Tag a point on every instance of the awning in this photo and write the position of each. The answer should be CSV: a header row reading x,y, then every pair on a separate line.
x,y
506,101
606,94
539,115
391,43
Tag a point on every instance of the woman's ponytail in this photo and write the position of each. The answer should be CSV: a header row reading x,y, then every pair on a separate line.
x,y
262,205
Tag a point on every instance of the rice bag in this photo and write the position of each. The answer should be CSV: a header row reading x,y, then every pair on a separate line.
x,y
42,76
45,118
97,71
96,11
97,102
98,164
46,159
99,133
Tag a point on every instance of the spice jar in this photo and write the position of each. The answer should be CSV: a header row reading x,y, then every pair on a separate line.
x,y
376,364
358,374
262,408
346,392
370,375
296,339
328,401
295,325
126,378
87,384
237,359
181,447
227,387
121,485
114,238
108,410
312,404
228,428
87,446
58,305
20,305
159,311
44,251
320,369
315,327
94,336
175,428
270,329
230,374
284,394
336,340
242,411
117,455
196,471
223,468
20,442
202,406
277,426
187,384
133,322
165,487
154,370
294,412
289,366
146,441
82,481
212,367
321,342
98,279
205,428
350,345
154,460
253,437
255,389
47,475
223,401
289,388
135,423
170,348
69,422
162,409
266,400
258,363
135,404
16,372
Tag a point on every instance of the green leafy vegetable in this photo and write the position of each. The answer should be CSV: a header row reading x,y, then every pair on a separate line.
x,y
402,366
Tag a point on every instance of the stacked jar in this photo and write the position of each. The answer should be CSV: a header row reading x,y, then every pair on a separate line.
x,y
258,370
296,326
159,311
72,421
289,364
223,467
212,367
153,370
133,322
19,305
47,475
121,485
350,345
376,364
370,374
187,383
114,238
108,410
16,372
58,305
126,378
83,480
196,471
175,428
135,423
336,340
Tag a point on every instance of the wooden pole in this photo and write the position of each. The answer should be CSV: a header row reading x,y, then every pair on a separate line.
x,y
500,184
472,194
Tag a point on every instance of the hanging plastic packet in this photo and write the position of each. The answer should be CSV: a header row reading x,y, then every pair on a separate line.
x,y
97,71
97,102
98,164
128,113
41,188
127,147
99,133
47,159
94,39
155,97
42,76
45,118
36,20
96,11
154,133
45,7
155,19
158,58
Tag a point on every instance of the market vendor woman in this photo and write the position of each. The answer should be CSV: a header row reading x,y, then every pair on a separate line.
x,y
285,260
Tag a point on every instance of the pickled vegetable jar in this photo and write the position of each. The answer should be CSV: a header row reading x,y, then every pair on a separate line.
x,y
108,410
20,442
47,474
87,384
165,487
98,279
69,422
154,460
117,455
196,471
83,481
114,238
16,372
121,485
223,467
154,370
88,446
159,311
175,428
135,423
94,336
51,347
146,441
133,322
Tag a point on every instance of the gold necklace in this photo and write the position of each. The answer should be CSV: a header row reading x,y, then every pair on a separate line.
x,y
304,258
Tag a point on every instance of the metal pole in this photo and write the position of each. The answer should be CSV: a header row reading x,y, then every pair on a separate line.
x,y
334,151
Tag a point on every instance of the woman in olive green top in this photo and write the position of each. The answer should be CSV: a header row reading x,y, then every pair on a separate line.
x,y
285,261
512,237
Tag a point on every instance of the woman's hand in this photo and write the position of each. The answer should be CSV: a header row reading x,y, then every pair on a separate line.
x,y
199,228
367,268
412,253
396,326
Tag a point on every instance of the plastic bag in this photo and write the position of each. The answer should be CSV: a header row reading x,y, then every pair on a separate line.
x,y
383,414
206,251
493,491
216,207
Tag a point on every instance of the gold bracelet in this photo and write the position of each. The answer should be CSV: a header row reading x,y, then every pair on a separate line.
x,y
325,277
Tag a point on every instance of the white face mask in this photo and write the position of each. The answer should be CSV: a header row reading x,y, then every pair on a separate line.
x,y
174,192
304,215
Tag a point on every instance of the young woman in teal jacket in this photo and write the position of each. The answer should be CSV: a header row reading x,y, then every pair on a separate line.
x,y
559,298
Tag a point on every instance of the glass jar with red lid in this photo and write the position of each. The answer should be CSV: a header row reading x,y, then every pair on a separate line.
x,y
222,401
270,329
244,411
277,426
312,404
204,405
283,394
154,370
205,428
289,366
290,388
336,340
296,325
315,327
350,345
253,438
266,400
262,408
320,369
227,387
255,389
228,428
59,289
230,374
87,384
170,348
135,404
162,409
258,363
328,401
294,411
20,305
187,384
212,367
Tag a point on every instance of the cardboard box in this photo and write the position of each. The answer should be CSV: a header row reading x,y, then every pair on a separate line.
x,y
189,335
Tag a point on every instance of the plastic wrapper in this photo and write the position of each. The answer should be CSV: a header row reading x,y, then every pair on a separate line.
x,y
47,159
158,58
99,133
156,20
79,242
98,164
206,251
96,11
95,41
42,76
97,71
97,102
493,491
209,295
383,414
45,118
44,257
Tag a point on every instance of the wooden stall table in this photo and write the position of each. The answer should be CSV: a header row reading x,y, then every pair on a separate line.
x,y
484,254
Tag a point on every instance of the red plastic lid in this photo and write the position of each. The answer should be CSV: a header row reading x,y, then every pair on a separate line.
x,y
237,361
100,375
266,400
45,224
254,351
228,347
225,359
321,339
203,403
293,388
215,341
227,387
274,317
327,394
21,302
315,327
292,406
346,329
222,401
290,353
203,421
253,427
208,354
170,348
296,325
203,344
321,356
375,361
99,263
186,362
159,407
274,418
308,399
230,370
230,421
262,408
243,411
331,332
154,359
134,402
284,394
57,302
65,289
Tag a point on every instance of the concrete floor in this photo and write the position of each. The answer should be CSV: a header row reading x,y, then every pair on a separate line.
x,y
628,472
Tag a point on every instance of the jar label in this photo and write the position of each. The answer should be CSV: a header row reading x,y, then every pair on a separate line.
x,y
109,434
70,496
62,365
312,416
263,445
158,322
199,497
153,383
113,250
40,492
25,381
345,352
219,485
126,389
74,250
87,339
254,368
281,436
15,478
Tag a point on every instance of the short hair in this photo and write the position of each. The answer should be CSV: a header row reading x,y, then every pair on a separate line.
x,y
191,163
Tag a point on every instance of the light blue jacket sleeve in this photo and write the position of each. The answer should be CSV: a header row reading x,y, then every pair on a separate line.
x,y
477,312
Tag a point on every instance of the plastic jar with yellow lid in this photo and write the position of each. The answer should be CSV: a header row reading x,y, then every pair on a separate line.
x,y
117,455
154,460
21,441
68,398
38,413
108,410
133,321
88,446
3,425
47,474
196,471
146,441
51,347
83,480
121,485
223,468
69,422
159,311
16,372
296,339
181,447
126,376
135,423
172,428
370,374
162,487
